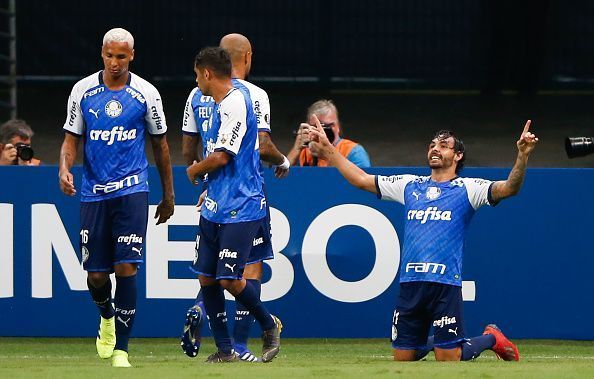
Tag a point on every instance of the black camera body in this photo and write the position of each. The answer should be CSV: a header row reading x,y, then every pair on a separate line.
x,y
24,151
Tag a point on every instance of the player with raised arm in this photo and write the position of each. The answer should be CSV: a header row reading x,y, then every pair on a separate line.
x,y
234,210
195,124
111,110
438,210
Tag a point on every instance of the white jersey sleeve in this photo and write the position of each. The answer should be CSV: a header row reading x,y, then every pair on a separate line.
x,y
75,122
261,105
233,115
189,122
155,117
479,192
392,187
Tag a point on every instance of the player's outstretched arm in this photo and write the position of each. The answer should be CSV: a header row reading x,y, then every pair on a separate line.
x,y
510,187
269,153
163,162
320,146
67,157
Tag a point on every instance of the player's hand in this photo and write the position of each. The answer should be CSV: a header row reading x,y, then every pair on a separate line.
x,y
280,172
201,200
67,183
164,210
191,174
9,155
527,141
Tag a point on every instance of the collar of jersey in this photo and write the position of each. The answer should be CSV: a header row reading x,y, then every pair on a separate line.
x,y
103,84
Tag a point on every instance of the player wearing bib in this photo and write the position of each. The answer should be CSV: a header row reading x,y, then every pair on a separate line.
x,y
234,209
438,209
111,111
196,117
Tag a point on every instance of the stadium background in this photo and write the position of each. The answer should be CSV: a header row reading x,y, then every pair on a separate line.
x,y
398,71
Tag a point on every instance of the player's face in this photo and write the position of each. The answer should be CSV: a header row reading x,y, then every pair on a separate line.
x,y
116,58
328,120
441,154
202,81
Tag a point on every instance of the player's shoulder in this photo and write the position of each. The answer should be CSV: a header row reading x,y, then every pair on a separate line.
x,y
142,85
86,83
255,91
399,178
470,182
235,97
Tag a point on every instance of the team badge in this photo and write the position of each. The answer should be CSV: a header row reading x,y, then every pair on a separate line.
x,y
433,193
267,118
113,108
225,138
85,254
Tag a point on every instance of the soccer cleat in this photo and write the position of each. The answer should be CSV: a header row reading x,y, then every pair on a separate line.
x,y
190,339
504,348
271,341
247,356
107,339
220,357
120,359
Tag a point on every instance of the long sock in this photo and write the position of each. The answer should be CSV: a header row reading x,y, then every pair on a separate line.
x,y
214,301
125,312
200,301
244,320
475,346
250,298
102,298
422,352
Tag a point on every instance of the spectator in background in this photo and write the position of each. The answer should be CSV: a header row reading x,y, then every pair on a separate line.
x,y
15,144
326,112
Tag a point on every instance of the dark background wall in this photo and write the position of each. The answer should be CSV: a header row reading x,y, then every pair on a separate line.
x,y
398,70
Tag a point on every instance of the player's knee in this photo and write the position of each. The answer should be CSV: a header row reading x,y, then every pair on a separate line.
x,y
234,286
97,279
253,271
445,355
404,355
125,269
206,281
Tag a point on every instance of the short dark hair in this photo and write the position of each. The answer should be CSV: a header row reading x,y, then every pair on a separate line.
x,y
458,146
15,128
215,59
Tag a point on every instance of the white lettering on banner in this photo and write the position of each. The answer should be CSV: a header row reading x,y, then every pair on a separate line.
x,y
6,251
48,234
387,253
160,286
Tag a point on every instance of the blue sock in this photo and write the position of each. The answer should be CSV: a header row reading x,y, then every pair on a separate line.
x,y
200,302
125,312
214,302
102,298
475,346
244,321
422,352
250,298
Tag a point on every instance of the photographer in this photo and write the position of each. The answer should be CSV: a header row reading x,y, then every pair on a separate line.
x,y
326,112
15,144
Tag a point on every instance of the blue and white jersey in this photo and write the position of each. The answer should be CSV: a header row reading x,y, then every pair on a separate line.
x,y
437,215
113,126
199,108
235,191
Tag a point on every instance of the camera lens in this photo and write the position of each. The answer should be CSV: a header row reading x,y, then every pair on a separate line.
x,y
24,151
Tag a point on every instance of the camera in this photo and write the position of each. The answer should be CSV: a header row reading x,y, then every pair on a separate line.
x,y
24,151
578,146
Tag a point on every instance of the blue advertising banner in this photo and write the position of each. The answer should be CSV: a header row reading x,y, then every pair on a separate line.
x,y
527,266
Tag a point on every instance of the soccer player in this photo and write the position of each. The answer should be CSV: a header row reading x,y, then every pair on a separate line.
x,y
234,210
111,110
438,209
195,125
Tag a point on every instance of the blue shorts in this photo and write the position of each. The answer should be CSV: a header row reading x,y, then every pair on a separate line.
x,y
113,231
422,305
224,249
262,245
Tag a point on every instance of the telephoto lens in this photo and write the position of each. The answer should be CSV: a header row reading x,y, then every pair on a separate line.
x,y
24,151
578,146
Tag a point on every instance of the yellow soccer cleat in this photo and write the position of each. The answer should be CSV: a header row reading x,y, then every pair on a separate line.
x,y
107,339
120,359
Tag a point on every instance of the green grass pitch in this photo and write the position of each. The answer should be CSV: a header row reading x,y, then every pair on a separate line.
x,y
299,358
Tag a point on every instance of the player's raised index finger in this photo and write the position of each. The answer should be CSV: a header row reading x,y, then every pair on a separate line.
x,y
526,127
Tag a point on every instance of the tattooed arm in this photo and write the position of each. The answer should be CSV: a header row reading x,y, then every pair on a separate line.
x,y
67,157
510,187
